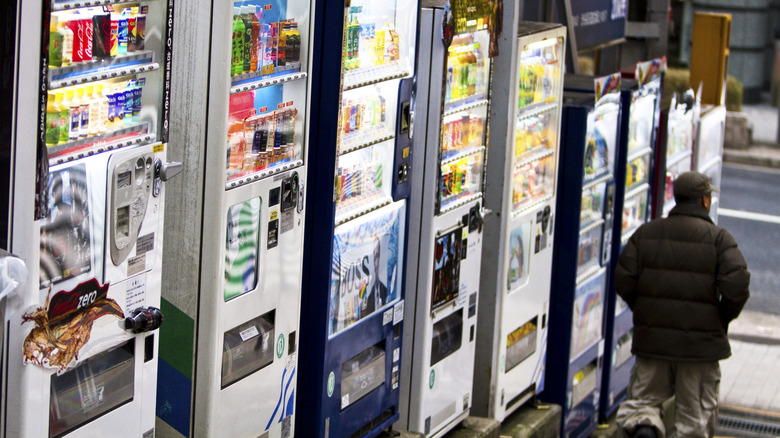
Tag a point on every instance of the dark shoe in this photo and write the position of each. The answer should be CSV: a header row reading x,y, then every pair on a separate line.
x,y
645,432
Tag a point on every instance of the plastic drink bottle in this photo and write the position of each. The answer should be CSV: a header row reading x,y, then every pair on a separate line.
x,y
94,110
55,45
84,109
255,38
75,115
101,101
64,115
52,121
237,65
67,43
246,54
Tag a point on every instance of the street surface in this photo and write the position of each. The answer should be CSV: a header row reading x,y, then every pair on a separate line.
x,y
750,211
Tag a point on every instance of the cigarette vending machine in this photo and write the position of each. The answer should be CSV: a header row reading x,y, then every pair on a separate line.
x,y
252,234
708,151
90,163
640,112
674,148
521,188
458,45
581,254
359,181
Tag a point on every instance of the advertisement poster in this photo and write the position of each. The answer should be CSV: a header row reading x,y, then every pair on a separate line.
x,y
588,312
446,268
241,248
519,250
66,241
63,325
365,267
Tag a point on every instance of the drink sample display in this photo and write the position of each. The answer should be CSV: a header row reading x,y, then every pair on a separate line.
x,y
264,44
98,53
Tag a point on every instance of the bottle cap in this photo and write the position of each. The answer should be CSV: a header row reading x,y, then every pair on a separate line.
x,y
90,90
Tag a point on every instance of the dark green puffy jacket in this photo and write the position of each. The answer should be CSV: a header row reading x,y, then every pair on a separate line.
x,y
685,280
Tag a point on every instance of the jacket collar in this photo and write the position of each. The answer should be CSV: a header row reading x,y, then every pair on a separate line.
x,y
690,208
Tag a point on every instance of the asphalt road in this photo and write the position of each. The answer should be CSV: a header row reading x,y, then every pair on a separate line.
x,y
750,211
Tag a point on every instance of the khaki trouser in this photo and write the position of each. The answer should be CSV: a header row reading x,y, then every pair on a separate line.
x,y
694,385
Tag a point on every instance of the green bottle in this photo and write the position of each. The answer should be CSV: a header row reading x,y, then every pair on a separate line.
x,y
246,55
353,39
237,66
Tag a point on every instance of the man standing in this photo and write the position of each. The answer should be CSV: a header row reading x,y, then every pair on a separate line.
x,y
685,280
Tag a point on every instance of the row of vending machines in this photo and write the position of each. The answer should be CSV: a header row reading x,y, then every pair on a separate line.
x,y
382,215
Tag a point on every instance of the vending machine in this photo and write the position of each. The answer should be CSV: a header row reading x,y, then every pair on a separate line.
x,y
674,148
522,173
581,254
88,178
458,46
708,151
638,130
354,252
255,170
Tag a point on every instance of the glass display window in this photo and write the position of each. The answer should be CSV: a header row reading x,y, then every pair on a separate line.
x,y
540,73
242,248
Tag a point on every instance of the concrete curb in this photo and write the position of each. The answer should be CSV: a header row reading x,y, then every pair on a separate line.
x,y
754,155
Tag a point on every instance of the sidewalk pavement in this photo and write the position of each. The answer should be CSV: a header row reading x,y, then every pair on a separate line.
x,y
750,386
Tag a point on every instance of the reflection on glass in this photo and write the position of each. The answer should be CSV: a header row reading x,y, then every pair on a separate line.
x,y
519,252
66,234
242,243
